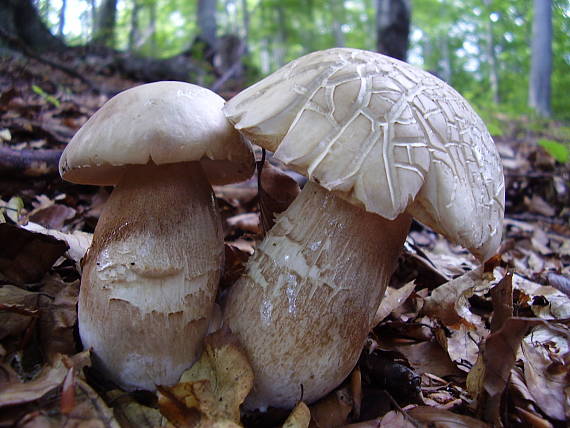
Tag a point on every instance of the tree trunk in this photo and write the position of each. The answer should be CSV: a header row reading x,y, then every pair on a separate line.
x,y
493,66
246,19
280,49
541,64
134,30
393,27
61,23
338,19
105,23
207,23
20,23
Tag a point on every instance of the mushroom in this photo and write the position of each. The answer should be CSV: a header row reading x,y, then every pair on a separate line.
x,y
151,275
381,142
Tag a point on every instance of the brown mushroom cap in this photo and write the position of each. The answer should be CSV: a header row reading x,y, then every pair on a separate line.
x,y
162,123
383,135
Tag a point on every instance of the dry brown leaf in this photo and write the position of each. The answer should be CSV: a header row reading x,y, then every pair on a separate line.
x,y
132,414
545,371
276,192
462,345
50,378
332,410
440,418
78,241
488,378
54,216
300,417
392,299
546,302
58,317
448,302
18,308
26,256
247,221
428,357
213,389
502,297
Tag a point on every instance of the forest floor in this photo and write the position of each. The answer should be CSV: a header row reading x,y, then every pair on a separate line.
x,y
455,344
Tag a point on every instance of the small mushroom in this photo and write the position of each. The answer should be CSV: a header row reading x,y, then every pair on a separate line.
x,y
151,275
381,142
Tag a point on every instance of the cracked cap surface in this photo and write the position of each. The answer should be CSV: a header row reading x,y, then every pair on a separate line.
x,y
383,135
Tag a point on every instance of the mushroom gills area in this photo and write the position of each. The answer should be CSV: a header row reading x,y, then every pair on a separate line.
x,y
151,275
306,303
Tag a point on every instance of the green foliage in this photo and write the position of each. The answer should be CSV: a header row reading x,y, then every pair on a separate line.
x,y
558,151
449,37
49,98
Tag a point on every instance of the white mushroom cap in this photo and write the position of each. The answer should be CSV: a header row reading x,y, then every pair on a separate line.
x,y
161,122
383,135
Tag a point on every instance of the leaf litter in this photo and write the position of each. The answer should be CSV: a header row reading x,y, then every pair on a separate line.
x,y
454,344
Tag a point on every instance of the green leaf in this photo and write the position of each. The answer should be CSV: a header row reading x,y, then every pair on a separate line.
x,y
49,98
558,151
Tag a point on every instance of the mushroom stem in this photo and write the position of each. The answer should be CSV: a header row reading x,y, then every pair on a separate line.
x,y
151,275
306,303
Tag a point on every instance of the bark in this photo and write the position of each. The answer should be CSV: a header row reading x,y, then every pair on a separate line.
x,y
541,63
393,27
61,23
246,20
493,66
104,33
207,23
338,19
279,50
19,21
134,30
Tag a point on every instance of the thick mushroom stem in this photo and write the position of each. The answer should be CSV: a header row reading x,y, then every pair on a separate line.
x,y
306,303
151,275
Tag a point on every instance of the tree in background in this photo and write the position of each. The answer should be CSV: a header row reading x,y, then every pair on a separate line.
x,y
541,63
104,28
393,27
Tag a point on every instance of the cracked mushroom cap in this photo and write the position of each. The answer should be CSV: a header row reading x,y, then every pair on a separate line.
x,y
161,122
383,135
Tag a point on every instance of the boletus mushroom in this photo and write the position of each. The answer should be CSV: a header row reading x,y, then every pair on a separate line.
x,y
150,277
381,142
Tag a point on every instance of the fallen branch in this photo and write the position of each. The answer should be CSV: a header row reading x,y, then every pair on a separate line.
x,y
29,162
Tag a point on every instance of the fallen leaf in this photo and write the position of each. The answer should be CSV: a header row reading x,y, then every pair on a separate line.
x,y
58,317
26,256
17,308
545,370
552,304
333,410
213,389
300,417
276,192
502,297
428,357
50,378
440,418
392,299
78,241
132,414
247,221
488,378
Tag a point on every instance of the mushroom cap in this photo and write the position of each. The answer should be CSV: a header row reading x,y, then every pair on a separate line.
x,y
161,122
383,135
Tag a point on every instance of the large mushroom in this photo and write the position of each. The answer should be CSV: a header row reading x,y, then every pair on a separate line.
x,y
381,142
151,275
